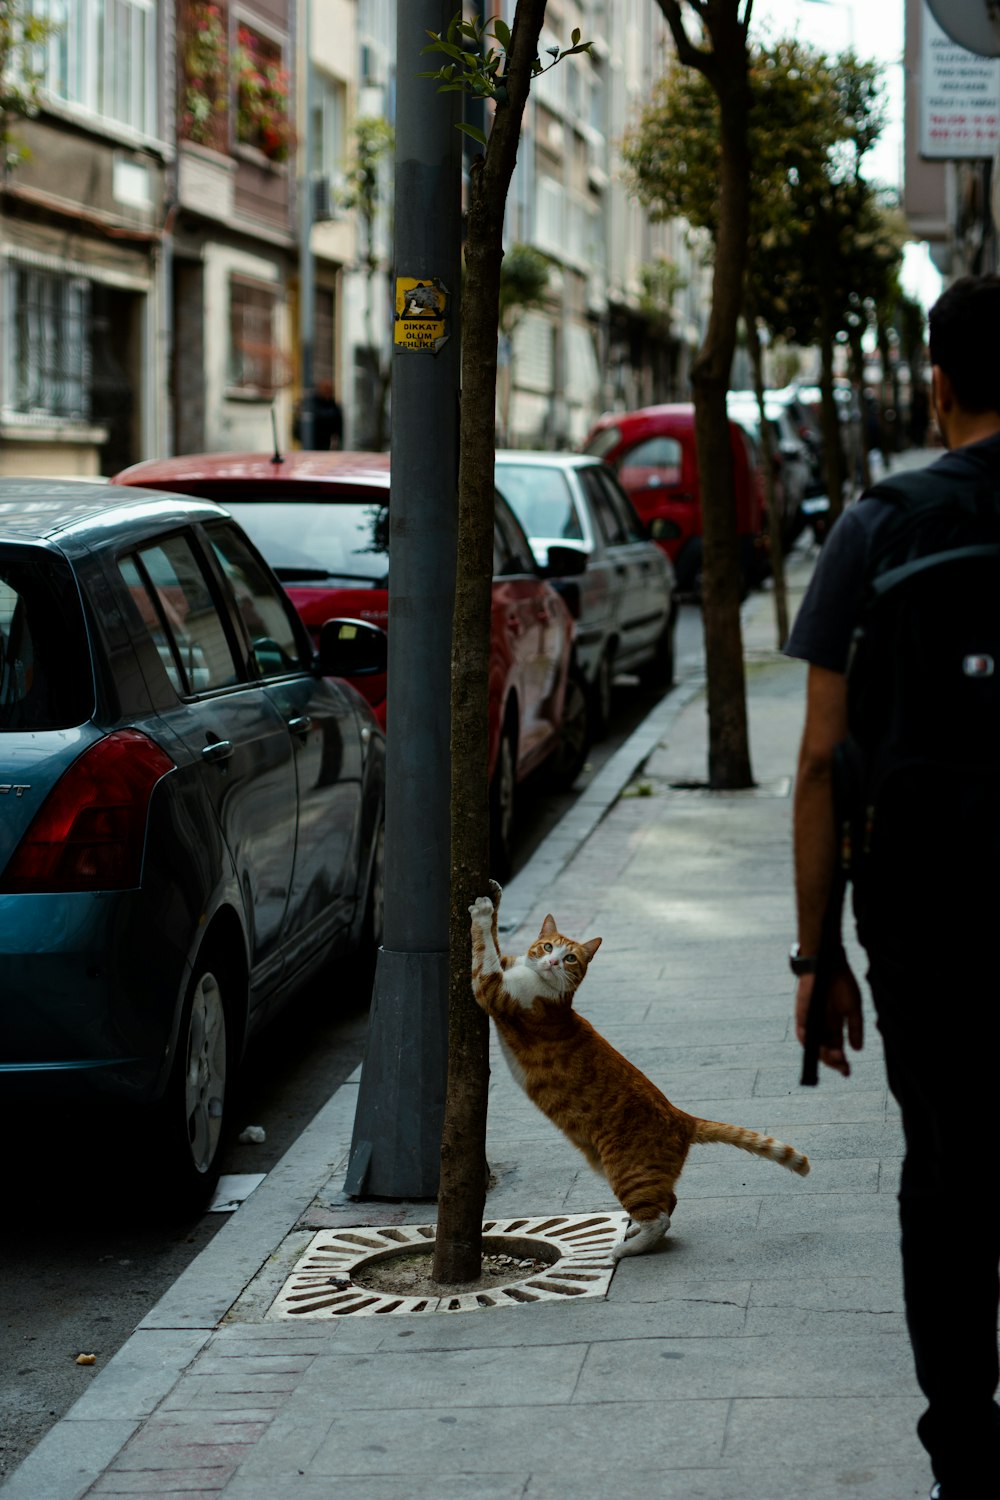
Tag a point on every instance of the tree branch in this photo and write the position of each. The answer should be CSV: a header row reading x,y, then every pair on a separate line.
x,y
688,53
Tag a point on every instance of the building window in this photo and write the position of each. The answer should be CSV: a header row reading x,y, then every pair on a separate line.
x,y
48,344
255,362
263,90
324,333
102,59
329,107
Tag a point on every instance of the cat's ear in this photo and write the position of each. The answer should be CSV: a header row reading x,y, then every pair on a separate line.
x,y
548,926
591,947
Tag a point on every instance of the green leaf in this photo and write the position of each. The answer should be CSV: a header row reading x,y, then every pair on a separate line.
x,y
502,32
474,131
576,35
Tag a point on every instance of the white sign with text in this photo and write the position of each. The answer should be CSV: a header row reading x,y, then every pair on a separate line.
x,y
960,98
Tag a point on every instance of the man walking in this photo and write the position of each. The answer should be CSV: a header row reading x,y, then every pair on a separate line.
x,y
925,862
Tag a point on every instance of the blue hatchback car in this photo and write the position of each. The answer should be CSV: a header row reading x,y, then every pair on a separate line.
x,y
191,811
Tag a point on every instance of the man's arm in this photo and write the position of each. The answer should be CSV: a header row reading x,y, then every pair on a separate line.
x,y
815,864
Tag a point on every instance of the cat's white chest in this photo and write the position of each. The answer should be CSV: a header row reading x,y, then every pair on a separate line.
x,y
521,984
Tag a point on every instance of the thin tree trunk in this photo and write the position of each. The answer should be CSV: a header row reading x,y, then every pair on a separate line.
x,y
775,529
726,67
462,1191
833,448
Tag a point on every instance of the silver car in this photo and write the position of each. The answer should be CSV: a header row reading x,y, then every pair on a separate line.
x,y
624,602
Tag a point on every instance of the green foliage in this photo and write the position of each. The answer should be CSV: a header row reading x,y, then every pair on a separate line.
x,y
374,140
524,280
822,244
22,35
660,281
476,66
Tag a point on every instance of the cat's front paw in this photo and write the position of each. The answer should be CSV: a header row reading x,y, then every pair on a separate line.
x,y
481,910
496,891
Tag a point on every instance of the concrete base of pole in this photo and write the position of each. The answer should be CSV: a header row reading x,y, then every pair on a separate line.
x,y
396,1149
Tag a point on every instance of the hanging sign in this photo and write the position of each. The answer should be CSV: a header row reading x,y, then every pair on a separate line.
x,y
960,98
422,314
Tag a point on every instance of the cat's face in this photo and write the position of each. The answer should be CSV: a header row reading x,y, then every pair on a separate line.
x,y
559,962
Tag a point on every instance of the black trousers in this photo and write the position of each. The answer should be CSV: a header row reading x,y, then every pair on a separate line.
x,y
941,1033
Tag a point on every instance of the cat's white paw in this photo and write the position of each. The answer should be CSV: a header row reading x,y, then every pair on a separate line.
x,y
481,909
640,1237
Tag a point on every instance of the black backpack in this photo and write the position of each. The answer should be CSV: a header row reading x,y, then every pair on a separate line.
x,y
918,779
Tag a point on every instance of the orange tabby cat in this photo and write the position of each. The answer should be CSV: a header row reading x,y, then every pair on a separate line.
x,y
624,1126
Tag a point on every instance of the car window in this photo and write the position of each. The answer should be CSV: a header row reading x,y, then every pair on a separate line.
x,y
662,455
306,540
608,523
541,500
173,598
512,553
622,506
46,679
265,611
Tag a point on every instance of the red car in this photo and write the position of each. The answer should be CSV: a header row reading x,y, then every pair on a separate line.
x,y
653,452
322,521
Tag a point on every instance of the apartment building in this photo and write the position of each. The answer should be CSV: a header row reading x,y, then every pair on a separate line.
x,y
176,248
83,201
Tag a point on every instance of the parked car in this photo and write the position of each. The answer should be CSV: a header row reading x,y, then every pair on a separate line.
x,y
653,453
624,601
322,521
793,463
192,809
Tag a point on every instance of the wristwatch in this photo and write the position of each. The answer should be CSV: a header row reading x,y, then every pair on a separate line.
x,y
800,965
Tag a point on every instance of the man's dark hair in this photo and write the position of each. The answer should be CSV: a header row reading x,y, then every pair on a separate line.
x,y
964,337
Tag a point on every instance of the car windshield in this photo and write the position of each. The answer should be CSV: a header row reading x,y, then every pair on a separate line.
x,y
46,680
319,540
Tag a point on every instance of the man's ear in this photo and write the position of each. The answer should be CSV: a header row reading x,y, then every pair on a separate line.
x,y
942,391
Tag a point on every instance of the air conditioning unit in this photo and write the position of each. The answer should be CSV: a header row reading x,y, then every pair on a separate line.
x,y
324,200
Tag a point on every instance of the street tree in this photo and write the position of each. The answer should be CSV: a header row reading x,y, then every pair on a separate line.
x,y
489,60
718,51
810,117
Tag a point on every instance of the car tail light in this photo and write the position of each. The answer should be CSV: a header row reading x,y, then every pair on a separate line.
x,y
89,833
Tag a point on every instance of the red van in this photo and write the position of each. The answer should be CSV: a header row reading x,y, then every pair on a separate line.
x,y
653,452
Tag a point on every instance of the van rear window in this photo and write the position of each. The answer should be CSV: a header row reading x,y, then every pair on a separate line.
x,y
46,680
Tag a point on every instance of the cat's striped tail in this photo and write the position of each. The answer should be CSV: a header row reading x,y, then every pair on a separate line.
x,y
708,1131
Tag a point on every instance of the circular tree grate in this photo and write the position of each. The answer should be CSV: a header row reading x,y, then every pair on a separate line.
x,y
576,1249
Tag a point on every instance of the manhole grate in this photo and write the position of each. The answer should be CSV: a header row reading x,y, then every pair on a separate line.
x,y
576,1247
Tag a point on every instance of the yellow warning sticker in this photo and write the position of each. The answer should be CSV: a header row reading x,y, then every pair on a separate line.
x,y
421,314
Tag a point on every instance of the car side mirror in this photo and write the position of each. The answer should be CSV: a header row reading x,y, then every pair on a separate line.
x,y
352,648
662,529
565,562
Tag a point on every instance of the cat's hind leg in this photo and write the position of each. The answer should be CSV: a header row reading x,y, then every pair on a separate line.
x,y
641,1235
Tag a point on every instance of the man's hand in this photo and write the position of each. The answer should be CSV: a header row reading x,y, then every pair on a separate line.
x,y
843,1010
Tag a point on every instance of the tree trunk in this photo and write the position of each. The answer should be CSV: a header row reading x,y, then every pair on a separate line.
x,y
775,530
722,577
833,448
462,1192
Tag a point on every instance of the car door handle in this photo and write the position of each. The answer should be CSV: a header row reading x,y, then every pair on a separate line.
x,y
300,726
218,750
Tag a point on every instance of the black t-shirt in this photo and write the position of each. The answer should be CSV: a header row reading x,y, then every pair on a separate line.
x,y
831,607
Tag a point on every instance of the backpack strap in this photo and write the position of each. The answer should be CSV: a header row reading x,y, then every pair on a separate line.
x,y
893,576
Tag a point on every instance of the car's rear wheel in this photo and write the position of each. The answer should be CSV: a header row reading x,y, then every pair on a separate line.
x,y
503,790
193,1115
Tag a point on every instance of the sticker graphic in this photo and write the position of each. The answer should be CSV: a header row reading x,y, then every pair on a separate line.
x,y
421,314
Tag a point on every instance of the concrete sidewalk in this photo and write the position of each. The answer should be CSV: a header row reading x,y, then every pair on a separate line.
x,y
760,1353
